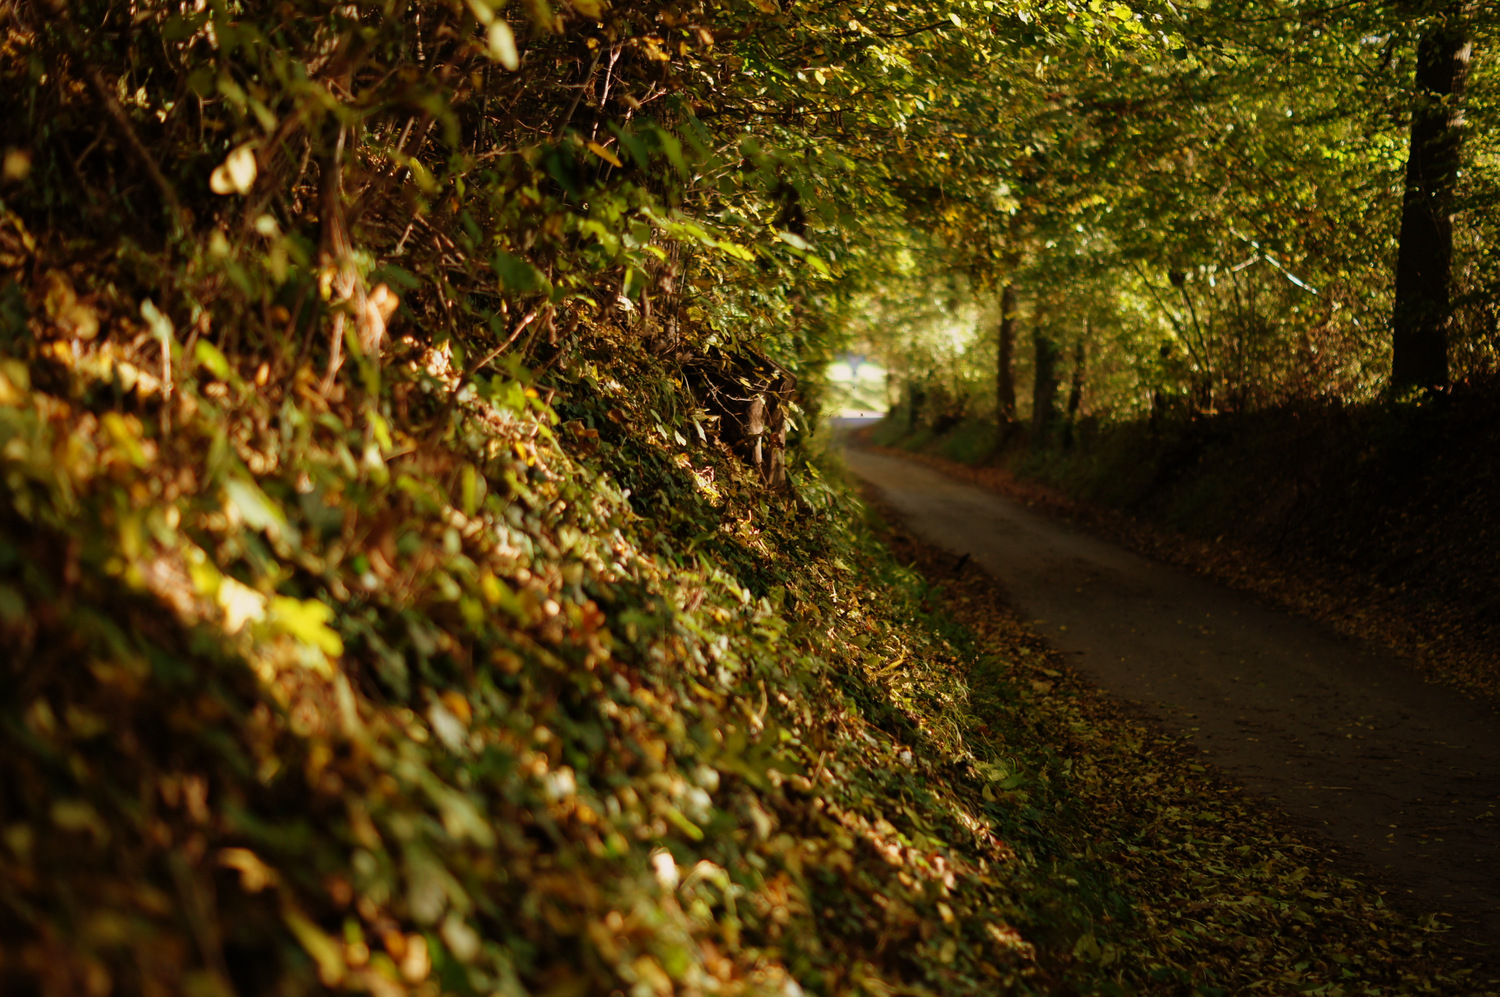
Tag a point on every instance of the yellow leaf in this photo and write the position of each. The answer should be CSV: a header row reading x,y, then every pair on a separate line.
x,y
255,875
78,815
308,622
604,154
17,165
458,706
15,381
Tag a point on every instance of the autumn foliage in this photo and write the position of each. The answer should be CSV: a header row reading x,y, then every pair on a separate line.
x,y
400,594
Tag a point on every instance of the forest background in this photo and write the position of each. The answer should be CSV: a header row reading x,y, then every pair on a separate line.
x,y
418,567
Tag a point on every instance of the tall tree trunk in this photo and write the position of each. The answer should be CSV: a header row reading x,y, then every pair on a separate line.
x,y
1044,387
1005,374
1075,389
1424,261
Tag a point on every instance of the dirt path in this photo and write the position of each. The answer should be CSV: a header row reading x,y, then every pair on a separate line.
x,y
1401,776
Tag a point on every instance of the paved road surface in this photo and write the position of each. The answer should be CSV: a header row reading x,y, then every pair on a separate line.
x,y
1402,776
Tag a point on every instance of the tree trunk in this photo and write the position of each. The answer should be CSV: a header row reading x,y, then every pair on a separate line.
x,y
1044,388
1424,261
1005,374
1075,389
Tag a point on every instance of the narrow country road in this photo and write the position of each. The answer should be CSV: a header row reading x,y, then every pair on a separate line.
x,y
1401,776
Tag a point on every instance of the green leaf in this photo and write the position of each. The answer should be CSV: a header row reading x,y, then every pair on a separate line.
x,y
209,356
125,436
517,275
255,507
473,489
12,606
671,147
325,951
632,144
735,249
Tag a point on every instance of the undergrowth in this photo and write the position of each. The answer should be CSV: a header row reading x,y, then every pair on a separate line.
x,y
430,685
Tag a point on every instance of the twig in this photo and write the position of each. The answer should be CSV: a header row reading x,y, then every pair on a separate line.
x,y
577,97
473,368
337,253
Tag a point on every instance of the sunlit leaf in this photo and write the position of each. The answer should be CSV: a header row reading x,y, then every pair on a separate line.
x,y
604,154
210,357
307,620
502,45
236,175
253,505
